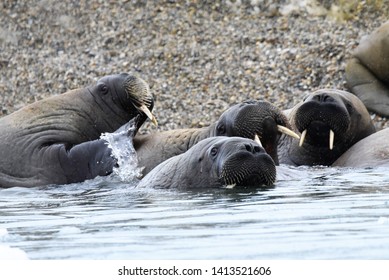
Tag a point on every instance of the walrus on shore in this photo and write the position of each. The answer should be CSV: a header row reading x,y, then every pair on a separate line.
x,y
330,122
54,141
246,119
372,151
215,162
367,73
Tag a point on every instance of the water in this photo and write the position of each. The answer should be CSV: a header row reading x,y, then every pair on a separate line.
x,y
327,213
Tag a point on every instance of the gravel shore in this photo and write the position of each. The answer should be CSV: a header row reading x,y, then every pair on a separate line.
x,y
199,57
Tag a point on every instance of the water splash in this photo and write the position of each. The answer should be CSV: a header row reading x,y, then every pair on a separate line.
x,y
121,144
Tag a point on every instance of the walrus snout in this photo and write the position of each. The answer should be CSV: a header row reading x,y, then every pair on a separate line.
x,y
138,91
320,118
247,164
249,171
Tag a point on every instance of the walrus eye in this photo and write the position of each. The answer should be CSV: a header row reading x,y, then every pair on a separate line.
x,y
350,108
221,129
214,151
103,88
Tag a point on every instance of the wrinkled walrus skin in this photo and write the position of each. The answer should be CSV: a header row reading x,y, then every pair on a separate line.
x,y
56,140
367,73
215,162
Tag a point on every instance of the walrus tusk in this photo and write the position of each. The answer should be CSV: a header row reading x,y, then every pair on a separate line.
x,y
146,110
230,186
332,136
287,131
256,139
302,138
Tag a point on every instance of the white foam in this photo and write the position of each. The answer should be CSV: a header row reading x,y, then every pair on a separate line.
x,y
123,150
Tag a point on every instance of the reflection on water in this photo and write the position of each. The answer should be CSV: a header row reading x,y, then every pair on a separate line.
x,y
324,213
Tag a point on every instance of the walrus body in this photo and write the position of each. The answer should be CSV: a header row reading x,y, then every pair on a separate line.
x,y
215,162
372,151
367,73
330,122
56,140
242,120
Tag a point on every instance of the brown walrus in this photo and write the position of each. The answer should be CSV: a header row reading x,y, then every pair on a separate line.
x,y
367,73
372,151
330,122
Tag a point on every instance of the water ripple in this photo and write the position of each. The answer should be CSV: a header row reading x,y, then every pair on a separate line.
x,y
330,213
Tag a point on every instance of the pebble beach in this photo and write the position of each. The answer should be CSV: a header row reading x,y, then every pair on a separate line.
x,y
199,57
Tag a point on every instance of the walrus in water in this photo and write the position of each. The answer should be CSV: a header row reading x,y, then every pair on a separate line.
x,y
54,141
248,119
372,151
215,162
330,122
367,73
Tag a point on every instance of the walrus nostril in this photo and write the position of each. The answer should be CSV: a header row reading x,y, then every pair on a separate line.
x,y
323,98
253,148
257,149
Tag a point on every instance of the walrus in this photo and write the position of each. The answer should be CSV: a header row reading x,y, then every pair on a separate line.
x,y
372,151
56,140
215,162
367,73
247,119
330,121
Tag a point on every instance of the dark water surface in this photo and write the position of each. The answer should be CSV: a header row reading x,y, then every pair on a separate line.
x,y
324,213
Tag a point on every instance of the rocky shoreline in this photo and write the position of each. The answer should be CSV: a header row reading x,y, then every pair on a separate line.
x,y
199,57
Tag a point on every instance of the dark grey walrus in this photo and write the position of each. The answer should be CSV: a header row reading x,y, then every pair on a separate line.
x,y
330,122
215,162
367,73
246,119
54,141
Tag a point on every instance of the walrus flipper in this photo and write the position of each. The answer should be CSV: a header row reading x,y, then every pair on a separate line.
x,y
364,84
86,161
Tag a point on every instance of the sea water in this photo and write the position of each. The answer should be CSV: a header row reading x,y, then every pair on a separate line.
x,y
331,213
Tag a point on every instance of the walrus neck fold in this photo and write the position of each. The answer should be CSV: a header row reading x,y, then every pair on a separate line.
x,y
201,134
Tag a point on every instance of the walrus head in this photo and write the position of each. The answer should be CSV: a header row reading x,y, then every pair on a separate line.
x,y
330,122
241,162
131,93
255,118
